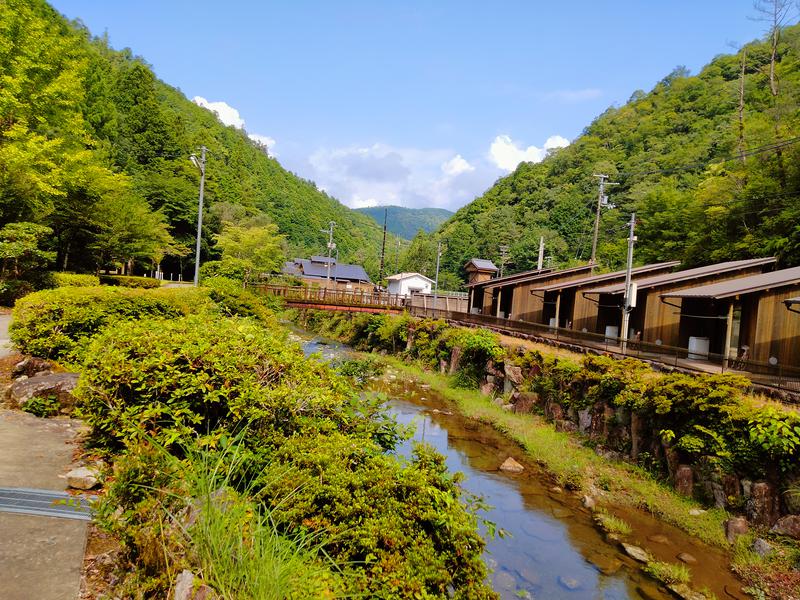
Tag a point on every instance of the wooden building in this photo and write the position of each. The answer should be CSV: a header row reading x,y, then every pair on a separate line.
x,y
742,318
565,306
323,271
656,321
510,296
479,269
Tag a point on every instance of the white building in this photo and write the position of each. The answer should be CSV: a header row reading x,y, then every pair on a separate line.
x,y
405,284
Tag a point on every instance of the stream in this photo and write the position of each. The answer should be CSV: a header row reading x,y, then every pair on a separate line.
x,y
553,549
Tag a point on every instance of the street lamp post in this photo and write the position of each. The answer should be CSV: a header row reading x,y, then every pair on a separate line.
x,y
200,163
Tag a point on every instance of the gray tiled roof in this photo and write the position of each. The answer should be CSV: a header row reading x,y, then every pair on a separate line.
x,y
678,276
743,285
319,270
483,264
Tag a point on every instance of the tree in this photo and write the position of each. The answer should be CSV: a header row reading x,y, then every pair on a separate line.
x,y
255,249
20,250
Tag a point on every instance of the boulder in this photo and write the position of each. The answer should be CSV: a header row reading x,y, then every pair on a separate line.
x,y
565,425
584,420
763,505
59,385
513,374
526,402
588,502
762,547
553,411
83,478
511,466
487,388
30,366
636,553
455,359
185,588
684,480
687,558
734,527
788,525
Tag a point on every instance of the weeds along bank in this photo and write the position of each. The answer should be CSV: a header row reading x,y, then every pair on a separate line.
x,y
702,435
236,458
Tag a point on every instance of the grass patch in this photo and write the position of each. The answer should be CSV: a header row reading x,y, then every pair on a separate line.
x,y
574,465
668,573
612,524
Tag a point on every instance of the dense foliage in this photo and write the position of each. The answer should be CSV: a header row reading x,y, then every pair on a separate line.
x,y
95,147
55,323
406,222
129,281
692,157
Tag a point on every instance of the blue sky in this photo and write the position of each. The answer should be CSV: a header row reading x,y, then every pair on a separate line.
x,y
415,103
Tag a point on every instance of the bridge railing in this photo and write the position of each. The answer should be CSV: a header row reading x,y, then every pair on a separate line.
x,y
340,297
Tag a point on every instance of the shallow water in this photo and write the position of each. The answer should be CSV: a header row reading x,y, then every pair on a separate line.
x,y
553,550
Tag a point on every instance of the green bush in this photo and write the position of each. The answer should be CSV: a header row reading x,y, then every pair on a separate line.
x,y
53,323
234,300
74,279
129,281
201,375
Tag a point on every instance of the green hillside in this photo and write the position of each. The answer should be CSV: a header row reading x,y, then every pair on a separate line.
x,y
695,157
95,147
406,222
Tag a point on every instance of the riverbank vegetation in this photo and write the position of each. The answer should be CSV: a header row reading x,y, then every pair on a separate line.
x,y
708,422
231,454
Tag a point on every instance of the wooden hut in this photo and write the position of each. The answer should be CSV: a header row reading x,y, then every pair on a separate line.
x,y
658,322
742,318
565,306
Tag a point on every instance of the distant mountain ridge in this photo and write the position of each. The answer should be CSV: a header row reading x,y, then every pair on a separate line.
x,y
406,222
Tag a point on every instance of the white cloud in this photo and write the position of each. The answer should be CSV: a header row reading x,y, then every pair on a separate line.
x,y
381,174
264,140
506,154
456,166
224,111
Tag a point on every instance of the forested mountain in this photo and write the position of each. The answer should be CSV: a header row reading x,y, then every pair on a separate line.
x,y
406,222
709,162
95,147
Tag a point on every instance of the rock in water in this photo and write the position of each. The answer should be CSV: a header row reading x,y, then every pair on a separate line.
x,y
687,558
635,552
82,478
511,466
569,583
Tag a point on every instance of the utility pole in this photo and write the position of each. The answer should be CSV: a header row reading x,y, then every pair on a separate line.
x,y
503,256
602,200
629,301
383,245
200,163
436,284
397,258
331,246
540,262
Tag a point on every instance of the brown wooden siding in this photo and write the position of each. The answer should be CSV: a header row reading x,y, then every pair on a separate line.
x,y
777,329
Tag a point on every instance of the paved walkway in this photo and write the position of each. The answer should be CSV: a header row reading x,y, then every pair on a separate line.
x,y
5,342
40,557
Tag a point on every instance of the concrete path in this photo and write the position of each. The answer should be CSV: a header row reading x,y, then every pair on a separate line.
x,y
5,342
40,557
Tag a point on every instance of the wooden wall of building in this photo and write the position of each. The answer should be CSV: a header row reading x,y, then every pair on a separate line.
x,y
777,328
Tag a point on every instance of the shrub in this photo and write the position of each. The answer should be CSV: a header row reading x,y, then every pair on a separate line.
x,y
74,280
129,281
42,406
195,375
53,323
234,300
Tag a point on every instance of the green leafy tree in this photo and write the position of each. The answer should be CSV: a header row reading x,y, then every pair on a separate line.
x,y
253,250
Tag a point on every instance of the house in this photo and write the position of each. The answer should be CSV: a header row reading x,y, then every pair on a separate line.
x,y
479,269
510,296
405,284
322,271
741,318
565,306
659,323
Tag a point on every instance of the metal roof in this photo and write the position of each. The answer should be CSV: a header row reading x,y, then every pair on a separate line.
x,y
743,285
592,279
401,276
679,276
528,276
319,270
482,264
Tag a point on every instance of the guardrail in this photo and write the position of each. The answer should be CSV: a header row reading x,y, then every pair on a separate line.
x,y
333,296
783,377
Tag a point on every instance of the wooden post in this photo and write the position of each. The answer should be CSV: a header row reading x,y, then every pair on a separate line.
x,y
499,298
469,301
728,334
558,308
447,303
